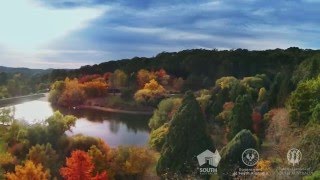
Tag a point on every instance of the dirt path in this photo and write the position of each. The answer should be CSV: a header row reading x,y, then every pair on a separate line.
x,y
105,109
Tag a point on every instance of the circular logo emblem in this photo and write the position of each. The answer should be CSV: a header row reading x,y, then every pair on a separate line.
x,y
294,156
250,157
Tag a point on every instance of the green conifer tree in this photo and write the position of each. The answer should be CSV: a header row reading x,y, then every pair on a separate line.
x,y
187,138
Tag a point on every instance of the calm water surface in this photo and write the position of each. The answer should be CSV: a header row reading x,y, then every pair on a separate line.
x,y
115,129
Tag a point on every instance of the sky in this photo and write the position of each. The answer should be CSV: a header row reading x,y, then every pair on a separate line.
x,y
72,33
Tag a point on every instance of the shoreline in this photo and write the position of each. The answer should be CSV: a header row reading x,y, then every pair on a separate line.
x,y
105,109
20,99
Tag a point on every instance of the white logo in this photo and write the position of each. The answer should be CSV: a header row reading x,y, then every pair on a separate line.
x,y
294,156
250,157
209,158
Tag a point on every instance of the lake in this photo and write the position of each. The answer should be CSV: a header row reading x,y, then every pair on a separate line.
x,y
115,129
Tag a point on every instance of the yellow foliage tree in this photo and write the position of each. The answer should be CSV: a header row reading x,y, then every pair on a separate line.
x,y
265,167
153,85
73,93
151,93
131,162
29,171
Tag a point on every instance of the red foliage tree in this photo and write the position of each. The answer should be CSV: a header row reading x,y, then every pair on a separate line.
x,y
161,73
80,167
87,78
257,120
106,76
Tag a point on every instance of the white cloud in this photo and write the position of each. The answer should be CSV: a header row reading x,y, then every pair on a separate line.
x,y
27,26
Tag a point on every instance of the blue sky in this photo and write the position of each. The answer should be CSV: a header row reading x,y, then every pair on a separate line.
x,y
72,33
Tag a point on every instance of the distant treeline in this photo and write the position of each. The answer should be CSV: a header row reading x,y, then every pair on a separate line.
x,y
208,63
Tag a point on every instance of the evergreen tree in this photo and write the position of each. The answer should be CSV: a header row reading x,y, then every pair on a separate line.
x,y
216,103
231,154
187,138
240,116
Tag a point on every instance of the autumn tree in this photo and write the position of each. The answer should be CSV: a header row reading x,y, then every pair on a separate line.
x,y
144,76
44,155
162,76
80,166
106,76
72,95
100,159
187,137
57,89
225,114
131,162
177,84
29,171
258,123
226,82
118,79
164,112
262,95
95,88
88,78
7,161
151,93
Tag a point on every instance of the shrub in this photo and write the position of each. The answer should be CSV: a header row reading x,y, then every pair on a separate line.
x,y
158,137
232,152
164,112
304,100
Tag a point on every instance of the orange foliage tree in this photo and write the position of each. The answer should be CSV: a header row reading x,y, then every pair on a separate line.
x,y
96,88
73,94
80,166
144,76
29,171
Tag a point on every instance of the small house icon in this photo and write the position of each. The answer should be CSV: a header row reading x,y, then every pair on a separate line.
x,y
210,158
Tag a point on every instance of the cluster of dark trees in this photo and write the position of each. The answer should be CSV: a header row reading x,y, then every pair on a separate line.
x,y
15,83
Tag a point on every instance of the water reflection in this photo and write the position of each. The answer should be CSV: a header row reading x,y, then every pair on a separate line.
x,y
115,129
134,123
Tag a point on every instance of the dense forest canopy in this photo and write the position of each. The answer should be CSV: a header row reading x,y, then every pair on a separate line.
x,y
210,63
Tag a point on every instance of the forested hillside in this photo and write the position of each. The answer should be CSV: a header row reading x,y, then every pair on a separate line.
x,y
200,68
227,101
